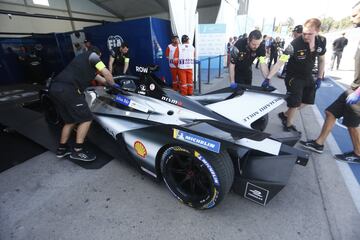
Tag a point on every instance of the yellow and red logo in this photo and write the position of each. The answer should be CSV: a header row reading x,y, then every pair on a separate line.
x,y
140,149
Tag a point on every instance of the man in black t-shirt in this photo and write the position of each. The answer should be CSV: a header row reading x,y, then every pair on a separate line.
x,y
338,47
119,60
67,92
346,106
301,55
243,53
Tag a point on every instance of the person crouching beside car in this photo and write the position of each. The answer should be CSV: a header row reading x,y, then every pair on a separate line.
x,y
67,92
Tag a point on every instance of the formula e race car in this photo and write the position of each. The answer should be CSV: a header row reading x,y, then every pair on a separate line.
x,y
201,146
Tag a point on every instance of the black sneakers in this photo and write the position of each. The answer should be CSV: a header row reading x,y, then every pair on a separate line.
x,y
286,128
283,118
313,146
291,128
83,155
62,152
349,157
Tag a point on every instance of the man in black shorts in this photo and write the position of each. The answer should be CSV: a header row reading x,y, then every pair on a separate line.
x,y
67,92
300,85
347,106
119,60
242,56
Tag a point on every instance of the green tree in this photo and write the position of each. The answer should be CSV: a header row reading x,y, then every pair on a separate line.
x,y
345,23
326,24
290,22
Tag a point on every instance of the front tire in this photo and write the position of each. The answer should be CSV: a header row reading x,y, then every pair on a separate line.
x,y
197,178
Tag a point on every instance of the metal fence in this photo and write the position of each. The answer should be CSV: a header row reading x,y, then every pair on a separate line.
x,y
205,71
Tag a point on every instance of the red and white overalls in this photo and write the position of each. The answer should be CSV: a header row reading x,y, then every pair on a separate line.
x,y
186,64
172,54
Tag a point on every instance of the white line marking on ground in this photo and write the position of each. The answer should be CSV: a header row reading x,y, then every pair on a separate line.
x,y
349,177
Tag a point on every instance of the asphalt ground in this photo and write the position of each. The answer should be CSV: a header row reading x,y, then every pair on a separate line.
x,y
50,198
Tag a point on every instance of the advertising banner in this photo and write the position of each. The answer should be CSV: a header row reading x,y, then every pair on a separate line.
x,y
211,39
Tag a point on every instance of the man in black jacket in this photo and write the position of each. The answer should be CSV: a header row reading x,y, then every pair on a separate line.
x,y
338,48
67,92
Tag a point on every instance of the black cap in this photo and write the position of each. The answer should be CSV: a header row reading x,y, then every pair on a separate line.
x,y
298,29
184,38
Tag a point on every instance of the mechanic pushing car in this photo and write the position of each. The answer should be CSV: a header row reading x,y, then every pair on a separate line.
x,y
301,55
67,92
243,54
347,105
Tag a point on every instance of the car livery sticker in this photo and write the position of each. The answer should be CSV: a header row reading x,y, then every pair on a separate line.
x,y
264,108
152,87
256,193
172,101
130,103
122,100
196,140
140,149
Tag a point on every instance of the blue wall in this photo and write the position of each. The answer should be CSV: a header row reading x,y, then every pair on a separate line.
x,y
147,39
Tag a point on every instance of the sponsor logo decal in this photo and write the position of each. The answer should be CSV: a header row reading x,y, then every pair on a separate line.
x,y
141,69
152,87
256,193
172,101
140,149
196,140
261,109
142,87
122,100
114,41
130,103
210,168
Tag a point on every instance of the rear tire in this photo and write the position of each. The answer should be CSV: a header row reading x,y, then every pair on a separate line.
x,y
197,178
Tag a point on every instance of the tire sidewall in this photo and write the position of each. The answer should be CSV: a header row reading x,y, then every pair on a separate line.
x,y
210,200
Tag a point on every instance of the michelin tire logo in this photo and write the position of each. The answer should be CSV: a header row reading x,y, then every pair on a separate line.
x,y
196,140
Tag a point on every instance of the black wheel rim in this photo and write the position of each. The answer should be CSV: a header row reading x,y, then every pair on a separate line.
x,y
189,177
